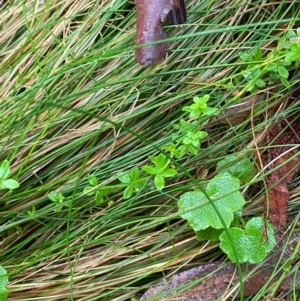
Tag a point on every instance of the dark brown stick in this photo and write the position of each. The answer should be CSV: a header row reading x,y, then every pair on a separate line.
x,y
151,14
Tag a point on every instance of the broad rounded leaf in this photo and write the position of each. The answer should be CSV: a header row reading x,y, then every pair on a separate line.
x,y
237,166
251,245
10,184
223,190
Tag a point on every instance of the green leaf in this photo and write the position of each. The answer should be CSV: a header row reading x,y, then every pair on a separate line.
x,y
4,170
283,72
160,161
159,182
176,126
246,57
31,213
211,111
205,98
223,189
88,190
286,83
290,57
291,33
149,169
177,152
99,197
201,135
93,180
105,190
237,166
169,172
58,208
272,66
124,177
56,197
257,54
3,278
188,126
250,245
287,267
192,149
52,195
198,107
193,139
209,234
260,83
135,174
3,294
10,184
128,192
180,152
138,185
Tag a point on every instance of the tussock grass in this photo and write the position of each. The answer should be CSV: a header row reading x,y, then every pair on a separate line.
x,y
74,102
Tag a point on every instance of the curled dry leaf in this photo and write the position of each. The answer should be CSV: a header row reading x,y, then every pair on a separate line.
x,y
211,281
150,17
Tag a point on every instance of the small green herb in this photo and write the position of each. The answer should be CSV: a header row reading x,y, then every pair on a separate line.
x,y
160,170
98,192
175,150
6,183
186,139
59,199
199,107
132,181
31,212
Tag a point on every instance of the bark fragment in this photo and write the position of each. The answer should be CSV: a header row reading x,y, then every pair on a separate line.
x,y
150,17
